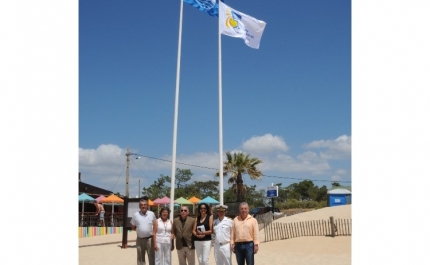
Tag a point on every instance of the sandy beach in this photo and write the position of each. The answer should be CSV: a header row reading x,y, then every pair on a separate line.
x,y
317,250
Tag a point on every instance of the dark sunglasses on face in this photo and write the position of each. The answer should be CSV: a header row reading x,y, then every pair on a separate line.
x,y
184,211
202,208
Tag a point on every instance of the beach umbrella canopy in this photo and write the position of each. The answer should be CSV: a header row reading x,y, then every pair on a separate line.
x,y
182,200
150,203
83,197
194,200
208,200
164,200
156,201
99,198
114,200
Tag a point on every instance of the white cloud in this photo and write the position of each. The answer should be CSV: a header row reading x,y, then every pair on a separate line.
x,y
308,162
204,160
105,165
339,175
265,144
105,154
342,172
334,149
336,178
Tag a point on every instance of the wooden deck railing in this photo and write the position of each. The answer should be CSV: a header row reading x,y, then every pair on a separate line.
x,y
110,220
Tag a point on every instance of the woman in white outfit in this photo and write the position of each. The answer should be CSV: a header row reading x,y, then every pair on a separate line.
x,y
162,236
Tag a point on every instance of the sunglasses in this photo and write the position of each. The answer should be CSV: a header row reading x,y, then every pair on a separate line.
x,y
184,210
202,208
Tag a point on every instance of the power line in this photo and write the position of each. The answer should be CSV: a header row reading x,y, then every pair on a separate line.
x,y
308,179
118,177
165,160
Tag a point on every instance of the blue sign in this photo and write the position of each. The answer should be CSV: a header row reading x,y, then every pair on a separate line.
x,y
272,192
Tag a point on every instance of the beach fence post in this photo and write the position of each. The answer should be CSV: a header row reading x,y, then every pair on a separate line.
x,y
333,229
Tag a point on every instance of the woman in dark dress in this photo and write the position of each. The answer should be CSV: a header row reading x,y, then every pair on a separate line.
x,y
202,232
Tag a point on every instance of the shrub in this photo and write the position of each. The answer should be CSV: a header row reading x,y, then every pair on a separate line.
x,y
296,204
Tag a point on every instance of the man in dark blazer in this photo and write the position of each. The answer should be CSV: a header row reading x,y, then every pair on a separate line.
x,y
182,229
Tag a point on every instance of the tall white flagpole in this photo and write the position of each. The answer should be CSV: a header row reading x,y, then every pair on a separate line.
x,y
175,119
221,173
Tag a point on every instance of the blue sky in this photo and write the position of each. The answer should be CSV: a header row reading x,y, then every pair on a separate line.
x,y
288,102
41,122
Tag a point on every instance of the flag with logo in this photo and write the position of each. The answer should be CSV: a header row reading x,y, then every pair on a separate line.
x,y
239,25
208,6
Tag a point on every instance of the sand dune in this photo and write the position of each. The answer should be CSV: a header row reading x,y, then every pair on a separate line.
x,y
342,212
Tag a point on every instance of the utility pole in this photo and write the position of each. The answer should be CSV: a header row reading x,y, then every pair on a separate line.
x,y
127,171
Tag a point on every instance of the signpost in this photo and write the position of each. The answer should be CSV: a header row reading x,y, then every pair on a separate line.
x,y
272,192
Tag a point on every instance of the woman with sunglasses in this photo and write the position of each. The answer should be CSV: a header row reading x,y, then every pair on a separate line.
x,y
202,232
163,235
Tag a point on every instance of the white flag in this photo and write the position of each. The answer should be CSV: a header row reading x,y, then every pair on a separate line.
x,y
239,25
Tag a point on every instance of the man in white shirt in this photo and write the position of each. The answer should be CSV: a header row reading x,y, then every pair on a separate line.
x,y
222,231
142,222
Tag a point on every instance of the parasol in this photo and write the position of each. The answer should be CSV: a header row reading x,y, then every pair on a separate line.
x,y
194,200
114,200
83,197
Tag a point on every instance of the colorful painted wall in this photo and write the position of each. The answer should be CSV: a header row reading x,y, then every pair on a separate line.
x,y
98,231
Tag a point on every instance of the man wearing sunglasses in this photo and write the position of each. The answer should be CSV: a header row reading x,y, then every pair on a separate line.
x,y
183,230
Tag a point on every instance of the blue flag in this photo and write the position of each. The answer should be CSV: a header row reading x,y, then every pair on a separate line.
x,y
209,6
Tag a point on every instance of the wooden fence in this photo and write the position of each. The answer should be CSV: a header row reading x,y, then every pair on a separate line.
x,y
330,227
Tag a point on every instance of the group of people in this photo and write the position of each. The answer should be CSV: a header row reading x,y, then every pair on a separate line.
x,y
158,237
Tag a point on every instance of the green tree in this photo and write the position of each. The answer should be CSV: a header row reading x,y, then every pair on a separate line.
x,y
305,188
321,194
335,184
229,195
238,164
203,189
292,192
158,189
282,194
255,197
252,196
181,176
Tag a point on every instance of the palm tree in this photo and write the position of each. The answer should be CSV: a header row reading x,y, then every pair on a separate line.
x,y
238,164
